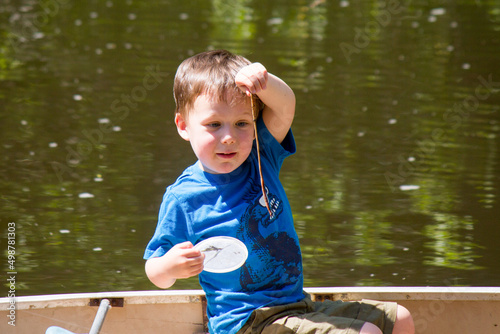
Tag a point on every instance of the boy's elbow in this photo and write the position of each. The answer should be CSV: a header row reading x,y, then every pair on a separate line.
x,y
162,284
289,105
156,276
292,104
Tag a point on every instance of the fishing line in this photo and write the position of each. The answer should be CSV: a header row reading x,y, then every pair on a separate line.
x,y
255,114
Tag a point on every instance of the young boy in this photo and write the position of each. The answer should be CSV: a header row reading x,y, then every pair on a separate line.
x,y
220,195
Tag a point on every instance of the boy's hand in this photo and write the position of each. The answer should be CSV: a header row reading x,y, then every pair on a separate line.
x,y
184,261
252,78
278,98
181,261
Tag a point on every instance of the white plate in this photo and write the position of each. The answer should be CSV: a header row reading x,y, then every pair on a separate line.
x,y
222,254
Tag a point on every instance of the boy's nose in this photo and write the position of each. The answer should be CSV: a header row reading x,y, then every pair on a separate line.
x,y
228,137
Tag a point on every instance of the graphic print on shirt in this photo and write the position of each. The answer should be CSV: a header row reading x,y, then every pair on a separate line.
x,y
277,256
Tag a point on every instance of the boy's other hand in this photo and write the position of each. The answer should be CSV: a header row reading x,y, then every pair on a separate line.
x,y
181,261
252,78
184,261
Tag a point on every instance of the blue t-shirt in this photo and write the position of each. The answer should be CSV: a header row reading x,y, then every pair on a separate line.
x,y
200,205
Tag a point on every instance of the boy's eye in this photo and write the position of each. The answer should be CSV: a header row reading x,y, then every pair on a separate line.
x,y
213,125
242,123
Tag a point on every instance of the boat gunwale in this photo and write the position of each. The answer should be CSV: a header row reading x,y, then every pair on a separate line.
x,y
411,293
83,299
195,296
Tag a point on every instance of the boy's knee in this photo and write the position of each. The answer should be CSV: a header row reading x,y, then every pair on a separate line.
x,y
404,321
403,313
369,328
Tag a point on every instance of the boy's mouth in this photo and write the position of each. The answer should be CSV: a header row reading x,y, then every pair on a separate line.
x,y
226,155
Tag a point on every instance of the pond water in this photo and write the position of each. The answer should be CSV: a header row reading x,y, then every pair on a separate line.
x,y
396,179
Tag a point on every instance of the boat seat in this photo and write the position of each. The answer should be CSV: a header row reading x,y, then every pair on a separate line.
x,y
104,306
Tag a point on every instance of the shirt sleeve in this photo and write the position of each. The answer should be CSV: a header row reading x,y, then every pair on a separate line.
x,y
171,228
272,148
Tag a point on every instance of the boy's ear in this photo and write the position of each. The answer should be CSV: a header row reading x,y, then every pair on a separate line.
x,y
181,125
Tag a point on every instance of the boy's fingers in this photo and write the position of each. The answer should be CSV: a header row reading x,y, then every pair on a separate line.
x,y
264,84
193,253
185,245
197,264
189,251
252,79
260,81
245,88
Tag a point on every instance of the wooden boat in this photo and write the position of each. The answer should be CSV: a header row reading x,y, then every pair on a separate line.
x,y
436,310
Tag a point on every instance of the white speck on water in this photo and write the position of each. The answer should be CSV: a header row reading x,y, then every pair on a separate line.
x,y
408,187
309,207
344,3
14,17
454,24
411,159
103,120
432,18
25,9
98,51
77,97
183,16
132,16
86,195
438,11
38,35
78,22
64,231
98,179
23,122
466,66
53,145
110,46
117,128
97,249
274,21
361,134
93,15
393,121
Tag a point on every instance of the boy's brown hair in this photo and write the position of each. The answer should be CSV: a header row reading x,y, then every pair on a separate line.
x,y
211,73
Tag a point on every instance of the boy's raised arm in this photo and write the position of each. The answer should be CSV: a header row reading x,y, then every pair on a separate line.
x,y
277,96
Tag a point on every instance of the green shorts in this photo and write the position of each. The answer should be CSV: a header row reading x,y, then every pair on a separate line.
x,y
328,316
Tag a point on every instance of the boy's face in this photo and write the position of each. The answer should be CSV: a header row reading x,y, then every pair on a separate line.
x,y
221,136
